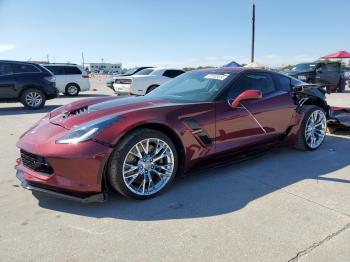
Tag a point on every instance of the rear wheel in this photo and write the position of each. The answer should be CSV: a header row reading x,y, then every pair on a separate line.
x,y
143,164
72,90
33,98
312,129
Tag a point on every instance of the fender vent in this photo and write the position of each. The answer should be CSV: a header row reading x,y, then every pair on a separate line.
x,y
197,130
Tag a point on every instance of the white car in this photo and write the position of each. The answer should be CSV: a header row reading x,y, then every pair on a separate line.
x,y
70,79
145,80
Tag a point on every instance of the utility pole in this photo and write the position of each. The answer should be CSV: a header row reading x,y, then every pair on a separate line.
x,y
82,58
253,33
48,59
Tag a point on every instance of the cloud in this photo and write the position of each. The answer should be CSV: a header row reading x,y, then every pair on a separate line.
x,y
6,47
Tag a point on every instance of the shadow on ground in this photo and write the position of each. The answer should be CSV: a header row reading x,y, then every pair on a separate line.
x,y
20,110
222,190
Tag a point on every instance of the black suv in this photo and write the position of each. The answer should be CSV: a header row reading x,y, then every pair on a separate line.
x,y
325,73
29,83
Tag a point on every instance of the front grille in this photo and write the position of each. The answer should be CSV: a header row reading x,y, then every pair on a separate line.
x,y
36,163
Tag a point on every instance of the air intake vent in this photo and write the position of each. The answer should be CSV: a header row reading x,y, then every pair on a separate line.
x,y
36,163
80,111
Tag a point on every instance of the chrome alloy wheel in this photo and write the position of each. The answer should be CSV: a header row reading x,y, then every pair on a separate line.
x,y
315,130
72,90
148,166
33,99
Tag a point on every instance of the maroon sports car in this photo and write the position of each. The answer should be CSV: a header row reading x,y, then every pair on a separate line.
x,y
137,145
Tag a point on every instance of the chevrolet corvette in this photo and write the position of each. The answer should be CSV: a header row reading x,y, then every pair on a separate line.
x,y
137,145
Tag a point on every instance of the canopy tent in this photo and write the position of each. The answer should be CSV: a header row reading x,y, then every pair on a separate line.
x,y
232,64
339,55
255,65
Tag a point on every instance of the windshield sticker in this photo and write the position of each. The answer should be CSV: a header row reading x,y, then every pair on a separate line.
x,y
216,77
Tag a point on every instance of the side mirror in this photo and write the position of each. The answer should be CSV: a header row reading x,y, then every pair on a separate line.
x,y
319,70
246,95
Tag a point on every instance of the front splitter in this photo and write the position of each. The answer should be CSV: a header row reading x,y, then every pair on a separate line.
x,y
99,197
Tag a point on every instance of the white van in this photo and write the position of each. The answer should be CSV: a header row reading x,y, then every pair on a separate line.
x,y
70,78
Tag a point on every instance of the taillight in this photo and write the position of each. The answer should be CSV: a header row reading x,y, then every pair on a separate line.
x,y
50,78
123,81
85,76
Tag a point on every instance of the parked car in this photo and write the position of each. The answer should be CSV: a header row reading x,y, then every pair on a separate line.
x,y
137,145
129,72
320,72
145,80
26,82
70,78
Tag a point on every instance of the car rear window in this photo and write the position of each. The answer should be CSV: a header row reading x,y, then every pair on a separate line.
x,y
23,68
146,71
172,73
6,69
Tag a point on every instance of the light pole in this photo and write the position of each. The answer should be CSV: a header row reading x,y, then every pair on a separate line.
x,y
253,33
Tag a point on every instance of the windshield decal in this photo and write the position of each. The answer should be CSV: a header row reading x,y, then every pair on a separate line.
x,y
216,76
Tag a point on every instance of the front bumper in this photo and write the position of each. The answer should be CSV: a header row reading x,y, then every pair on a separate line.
x,y
98,197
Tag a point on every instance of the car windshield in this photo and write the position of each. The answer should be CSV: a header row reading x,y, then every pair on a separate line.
x,y
196,86
144,72
304,66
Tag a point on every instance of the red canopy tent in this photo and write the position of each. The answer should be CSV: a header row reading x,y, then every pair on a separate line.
x,y
339,54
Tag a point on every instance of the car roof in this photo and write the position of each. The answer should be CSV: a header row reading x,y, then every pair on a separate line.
x,y
60,64
18,62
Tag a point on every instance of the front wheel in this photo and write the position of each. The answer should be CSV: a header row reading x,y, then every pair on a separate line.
x,y
313,128
143,164
33,98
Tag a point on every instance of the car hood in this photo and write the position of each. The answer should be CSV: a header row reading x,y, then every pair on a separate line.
x,y
78,113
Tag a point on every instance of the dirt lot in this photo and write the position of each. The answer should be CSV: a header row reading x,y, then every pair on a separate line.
x,y
285,205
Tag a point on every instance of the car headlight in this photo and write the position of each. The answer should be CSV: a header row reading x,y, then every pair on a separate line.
x,y
88,130
301,77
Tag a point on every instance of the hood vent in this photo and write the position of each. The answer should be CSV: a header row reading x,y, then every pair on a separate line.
x,y
79,111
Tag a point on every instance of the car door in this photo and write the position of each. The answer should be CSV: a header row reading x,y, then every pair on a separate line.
x,y
328,74
8,81
254,121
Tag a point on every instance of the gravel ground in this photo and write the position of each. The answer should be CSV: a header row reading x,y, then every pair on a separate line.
x,y
284,206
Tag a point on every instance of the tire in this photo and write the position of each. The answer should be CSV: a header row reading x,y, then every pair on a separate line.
x,y
131,182
72,89
310,132
151,88
33,98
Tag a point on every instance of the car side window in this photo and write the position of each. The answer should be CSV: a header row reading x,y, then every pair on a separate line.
x,y
172,73
6,69
23,68
284,83
71,70
332,67
254,81
56,70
